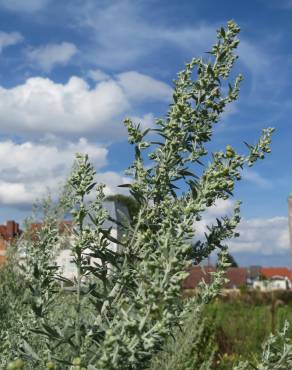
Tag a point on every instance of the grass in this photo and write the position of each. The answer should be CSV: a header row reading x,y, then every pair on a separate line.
x,y
242,324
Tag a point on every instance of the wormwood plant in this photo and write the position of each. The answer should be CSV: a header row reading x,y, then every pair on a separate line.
x,y
11,288
126,302
276,355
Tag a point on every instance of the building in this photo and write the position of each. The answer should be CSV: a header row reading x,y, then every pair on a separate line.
x,y
276,283
237,277
264,279
275,272
8,233
253,274
198,274
117,212
273,278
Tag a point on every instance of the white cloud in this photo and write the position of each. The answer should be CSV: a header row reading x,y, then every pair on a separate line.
x,y
201,36
221,208
29,169
98,75
24,6
262,62
113,180
138,86
28,160
254,58
266,236
257,179
133,37
258,236
48,56
146,121
42,106
9,39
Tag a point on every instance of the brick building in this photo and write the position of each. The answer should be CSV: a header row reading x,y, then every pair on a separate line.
x,y
7,233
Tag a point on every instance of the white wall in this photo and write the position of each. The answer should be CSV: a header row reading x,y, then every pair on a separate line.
x,y
65,258
274,284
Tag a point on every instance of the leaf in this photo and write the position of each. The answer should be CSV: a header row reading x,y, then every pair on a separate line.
x,y
124,186
222,32
137,153
51,331
144,133
65,280
250,147
110,237
172,186
187,173
29,351
91,186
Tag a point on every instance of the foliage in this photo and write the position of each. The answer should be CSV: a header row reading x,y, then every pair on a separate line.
x,y
192,347
240,328
231,260
11,305
225,333
125,298
277,354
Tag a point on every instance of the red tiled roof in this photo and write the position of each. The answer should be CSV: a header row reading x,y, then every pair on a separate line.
x,y
237,277
270,272
197,274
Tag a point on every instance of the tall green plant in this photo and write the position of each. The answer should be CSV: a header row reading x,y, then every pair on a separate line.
x,y
11,306
127,303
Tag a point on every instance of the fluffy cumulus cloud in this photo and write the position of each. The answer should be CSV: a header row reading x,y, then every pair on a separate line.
x,y
24,6
28,170
138,86
267,236
219,209
9,39
260,237
42,106
48,56
98,75
50,118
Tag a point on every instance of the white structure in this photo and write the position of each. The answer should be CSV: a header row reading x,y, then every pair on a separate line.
x,y
276,283
116,211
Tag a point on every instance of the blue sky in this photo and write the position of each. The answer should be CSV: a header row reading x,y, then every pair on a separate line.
x,y
71,71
